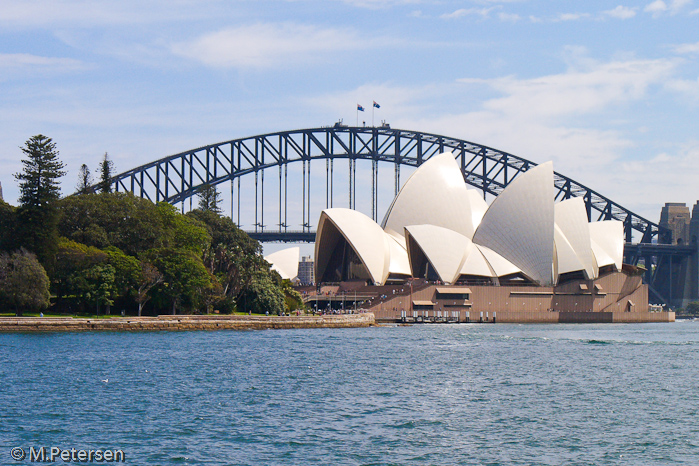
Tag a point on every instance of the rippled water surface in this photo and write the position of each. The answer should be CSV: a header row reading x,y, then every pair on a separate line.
x,y
431,394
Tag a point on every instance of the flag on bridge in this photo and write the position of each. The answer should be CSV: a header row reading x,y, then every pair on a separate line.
x,y
360,108
376,105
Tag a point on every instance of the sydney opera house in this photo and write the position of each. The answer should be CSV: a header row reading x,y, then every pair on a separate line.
x,y
442,254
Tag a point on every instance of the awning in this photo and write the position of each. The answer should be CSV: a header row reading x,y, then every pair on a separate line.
x,y
583,286
423,303
598,287
454,290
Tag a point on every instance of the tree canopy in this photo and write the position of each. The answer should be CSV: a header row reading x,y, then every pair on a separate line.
x,y
98,250
24,284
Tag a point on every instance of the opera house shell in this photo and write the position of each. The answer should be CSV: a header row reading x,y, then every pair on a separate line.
x,y
441,233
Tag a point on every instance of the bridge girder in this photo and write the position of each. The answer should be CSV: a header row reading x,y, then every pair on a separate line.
x,y
178,177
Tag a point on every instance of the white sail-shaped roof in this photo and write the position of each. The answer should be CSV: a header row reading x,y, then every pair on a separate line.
x,y
478,207
285,262
608,237
519,224
445,249
476,264
398,262
501,267
602,259
365,236
566,259
435,194
571,218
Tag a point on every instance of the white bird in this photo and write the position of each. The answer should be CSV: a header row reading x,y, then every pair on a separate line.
x,y
105,380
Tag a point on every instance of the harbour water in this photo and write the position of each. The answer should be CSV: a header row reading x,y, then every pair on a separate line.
x,y
430,394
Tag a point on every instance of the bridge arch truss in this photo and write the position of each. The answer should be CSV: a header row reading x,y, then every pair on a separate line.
x,y
180,176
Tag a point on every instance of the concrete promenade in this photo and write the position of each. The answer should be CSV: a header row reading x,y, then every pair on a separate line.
x,y
183,322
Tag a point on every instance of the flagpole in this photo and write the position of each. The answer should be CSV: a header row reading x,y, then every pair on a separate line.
x,y
372,115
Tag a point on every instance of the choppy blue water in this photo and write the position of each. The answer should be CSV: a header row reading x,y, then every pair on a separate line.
x,y
431,394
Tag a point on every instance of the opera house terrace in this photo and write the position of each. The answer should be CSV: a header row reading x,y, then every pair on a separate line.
x,y
443,254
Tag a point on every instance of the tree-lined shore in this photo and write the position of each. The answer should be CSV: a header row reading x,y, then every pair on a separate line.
x,y
99,251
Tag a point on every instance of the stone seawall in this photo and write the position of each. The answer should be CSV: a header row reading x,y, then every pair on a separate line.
x,y
183,322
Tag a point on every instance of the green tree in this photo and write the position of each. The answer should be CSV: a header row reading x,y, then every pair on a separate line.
x,y
73,261
121,220
7,226
127,271
106,173
262,294
236,260
37,217
24,284
38,182
149,277
181,231
693,308
129,223
99,286
209,198
184,276
84,180
292,298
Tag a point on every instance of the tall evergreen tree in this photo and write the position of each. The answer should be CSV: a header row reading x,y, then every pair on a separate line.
x,y
84,180
209,198
37,216
38,182
106,173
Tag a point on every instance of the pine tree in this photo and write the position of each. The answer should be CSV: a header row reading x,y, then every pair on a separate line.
x,y
106,172
37,216
38,182
209,198
84,180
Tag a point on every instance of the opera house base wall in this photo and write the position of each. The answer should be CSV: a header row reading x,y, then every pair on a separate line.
x,y
616,297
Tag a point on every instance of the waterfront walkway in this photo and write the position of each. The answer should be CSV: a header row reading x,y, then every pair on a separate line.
x,y
183,322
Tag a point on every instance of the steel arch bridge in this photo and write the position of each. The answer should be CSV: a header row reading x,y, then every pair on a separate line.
x,y
179,177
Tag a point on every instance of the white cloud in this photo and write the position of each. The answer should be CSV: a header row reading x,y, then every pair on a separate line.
x,y
378,4
572,16
263,45
687,48
460,13
88,13
620,12
509,17
21,60
668,172
659,7
656,8
21,64
578,91
685,87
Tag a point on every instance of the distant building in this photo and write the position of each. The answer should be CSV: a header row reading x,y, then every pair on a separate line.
x,y
1,199
306,275
676,219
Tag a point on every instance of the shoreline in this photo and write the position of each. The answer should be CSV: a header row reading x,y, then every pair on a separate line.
x,y
182,322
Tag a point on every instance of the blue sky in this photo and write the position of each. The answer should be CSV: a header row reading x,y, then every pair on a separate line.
x,y
609,91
